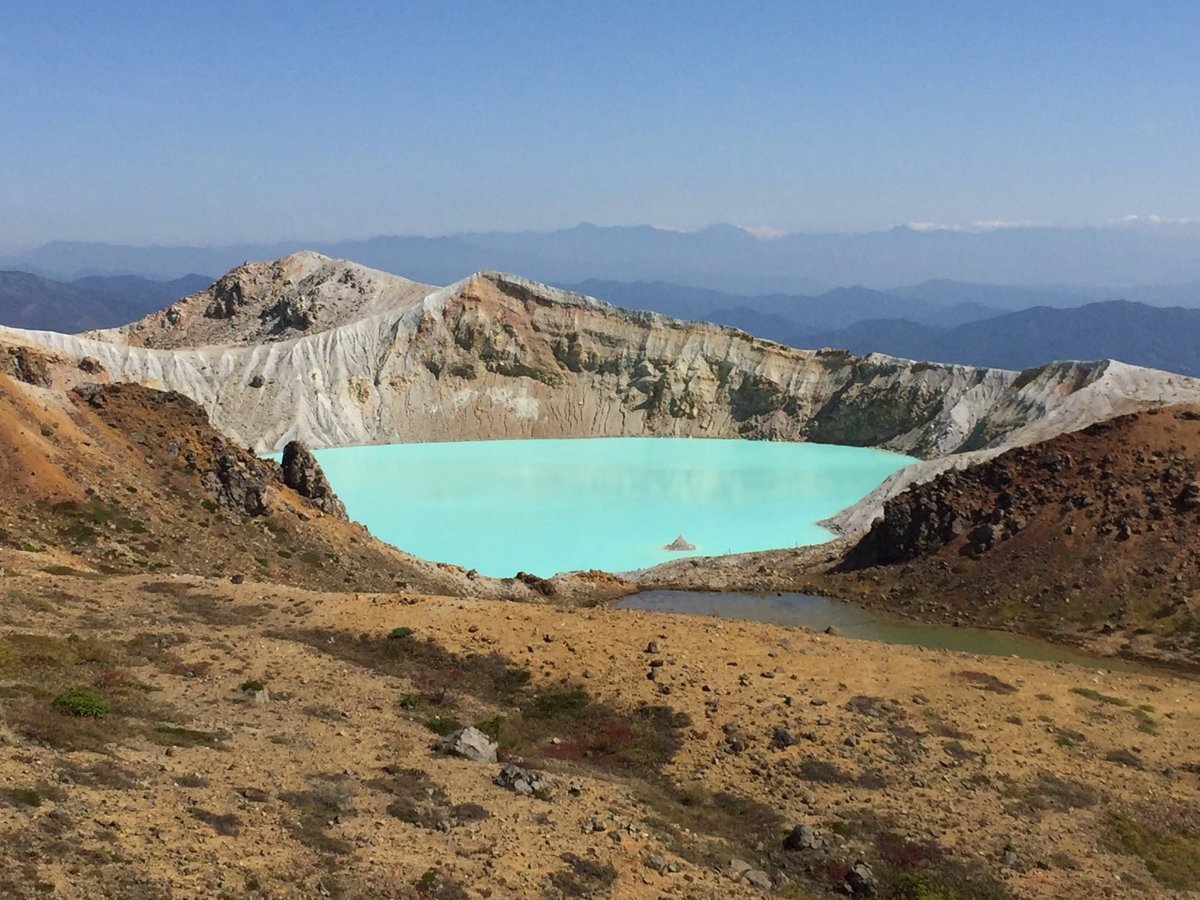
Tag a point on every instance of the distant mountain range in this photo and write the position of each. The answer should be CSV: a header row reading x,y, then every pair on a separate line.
x,y
1156,337
939,322
1006,326
31,301
722,257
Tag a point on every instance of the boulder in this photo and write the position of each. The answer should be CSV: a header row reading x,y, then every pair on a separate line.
x,y
862,881
469,743
801,838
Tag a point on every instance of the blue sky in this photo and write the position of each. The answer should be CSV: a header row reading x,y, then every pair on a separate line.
x,y
212,122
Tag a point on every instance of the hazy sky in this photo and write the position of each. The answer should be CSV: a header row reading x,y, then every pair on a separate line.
x,y
213,122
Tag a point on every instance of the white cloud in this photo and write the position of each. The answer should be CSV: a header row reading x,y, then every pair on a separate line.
x,y
764,232
1155,219
978,225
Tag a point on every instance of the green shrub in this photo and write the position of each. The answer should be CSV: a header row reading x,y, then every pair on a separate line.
x,y
558,703
81,702
922,886
397,634
443,725
25,796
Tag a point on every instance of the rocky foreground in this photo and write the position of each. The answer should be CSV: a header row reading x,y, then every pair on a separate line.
x,y
258,740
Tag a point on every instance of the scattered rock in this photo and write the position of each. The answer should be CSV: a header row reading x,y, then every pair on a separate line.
x,y
658,864
781,739
522,781
861,880
802,838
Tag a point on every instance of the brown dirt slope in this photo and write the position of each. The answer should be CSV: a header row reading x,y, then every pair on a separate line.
x,y
948,775
124,479
1094,531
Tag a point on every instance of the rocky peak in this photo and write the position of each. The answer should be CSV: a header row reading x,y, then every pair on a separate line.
x,y
260,302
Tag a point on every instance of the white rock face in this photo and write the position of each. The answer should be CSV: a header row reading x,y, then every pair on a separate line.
x,y
335,354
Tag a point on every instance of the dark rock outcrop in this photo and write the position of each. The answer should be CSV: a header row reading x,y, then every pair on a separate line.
x,y
543,586
238,481
302,473
25,364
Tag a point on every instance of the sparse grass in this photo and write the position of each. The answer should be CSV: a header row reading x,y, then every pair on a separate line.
x,y
1049,792
418,800
1173,858
316,809
178,736
584,877
986,682
706,827
226,824
822,771
558,704
636,740
1098,697
1145,722
437,885
1125,758
24,797
1065,737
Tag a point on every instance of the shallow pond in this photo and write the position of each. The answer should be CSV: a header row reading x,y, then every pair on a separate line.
x,y
856,621
547,506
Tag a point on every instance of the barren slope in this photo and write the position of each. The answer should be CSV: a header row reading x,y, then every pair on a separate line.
x,y
989,777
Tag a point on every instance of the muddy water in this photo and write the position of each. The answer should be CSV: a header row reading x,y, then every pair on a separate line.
x,y
856,621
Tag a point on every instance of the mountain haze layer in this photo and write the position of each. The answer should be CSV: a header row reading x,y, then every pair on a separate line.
x,y
1160,337
720,257
30,301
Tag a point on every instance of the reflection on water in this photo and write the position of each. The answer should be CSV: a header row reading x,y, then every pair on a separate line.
x,y
856,621
549,506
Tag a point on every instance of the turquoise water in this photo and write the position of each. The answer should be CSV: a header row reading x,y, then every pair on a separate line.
x,y
547,506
